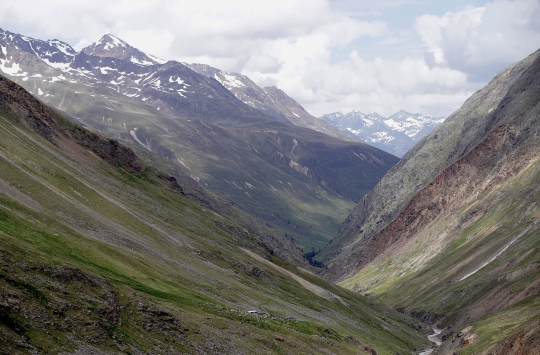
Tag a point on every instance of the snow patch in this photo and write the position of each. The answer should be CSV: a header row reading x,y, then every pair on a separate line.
x,y
58,78
368,122
105,69
177,80
61,66
143,62
13,71
62,47
229,81
133,133
156,59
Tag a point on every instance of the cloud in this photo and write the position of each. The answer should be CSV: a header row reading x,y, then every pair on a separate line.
x,y
329,55
380,85
481,40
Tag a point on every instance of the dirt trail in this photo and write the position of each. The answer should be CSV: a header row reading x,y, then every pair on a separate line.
x,y
319,291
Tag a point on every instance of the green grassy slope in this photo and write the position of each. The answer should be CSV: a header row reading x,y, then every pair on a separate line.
x,y
107,256
299,181
429,278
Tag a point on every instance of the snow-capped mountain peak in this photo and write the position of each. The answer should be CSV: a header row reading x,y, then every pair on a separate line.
x,y
412,123
333,115
168,86
395,134
110,46
109,41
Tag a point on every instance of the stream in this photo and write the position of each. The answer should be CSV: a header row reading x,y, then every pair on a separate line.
x,y
434,338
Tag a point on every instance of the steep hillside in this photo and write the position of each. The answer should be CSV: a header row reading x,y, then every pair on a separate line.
x,y
295,179
454,138
101,253
463,250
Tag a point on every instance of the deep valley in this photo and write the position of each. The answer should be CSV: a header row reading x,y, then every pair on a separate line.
x,y
158,207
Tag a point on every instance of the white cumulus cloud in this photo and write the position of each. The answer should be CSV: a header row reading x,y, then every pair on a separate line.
x,y
329,55
481,40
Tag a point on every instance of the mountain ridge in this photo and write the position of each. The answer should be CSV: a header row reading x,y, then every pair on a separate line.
x,y
271,100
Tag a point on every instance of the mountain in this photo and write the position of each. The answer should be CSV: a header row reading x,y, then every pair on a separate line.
x,y
112,63
296,179
451,234
110,46
395,134
103,253
414,125
274,102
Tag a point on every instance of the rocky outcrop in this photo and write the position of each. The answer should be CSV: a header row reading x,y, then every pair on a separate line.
x,y
525,341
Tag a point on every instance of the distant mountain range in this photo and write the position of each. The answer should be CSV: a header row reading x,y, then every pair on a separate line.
x,y
395,134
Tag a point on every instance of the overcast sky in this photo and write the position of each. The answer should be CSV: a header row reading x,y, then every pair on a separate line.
x,y
422,56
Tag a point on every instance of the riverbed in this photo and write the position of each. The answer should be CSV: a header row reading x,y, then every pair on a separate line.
x,y
435,337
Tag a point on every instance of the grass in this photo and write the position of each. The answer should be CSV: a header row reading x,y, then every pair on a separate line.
x,y
149,254
496,328
426,276
302,206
